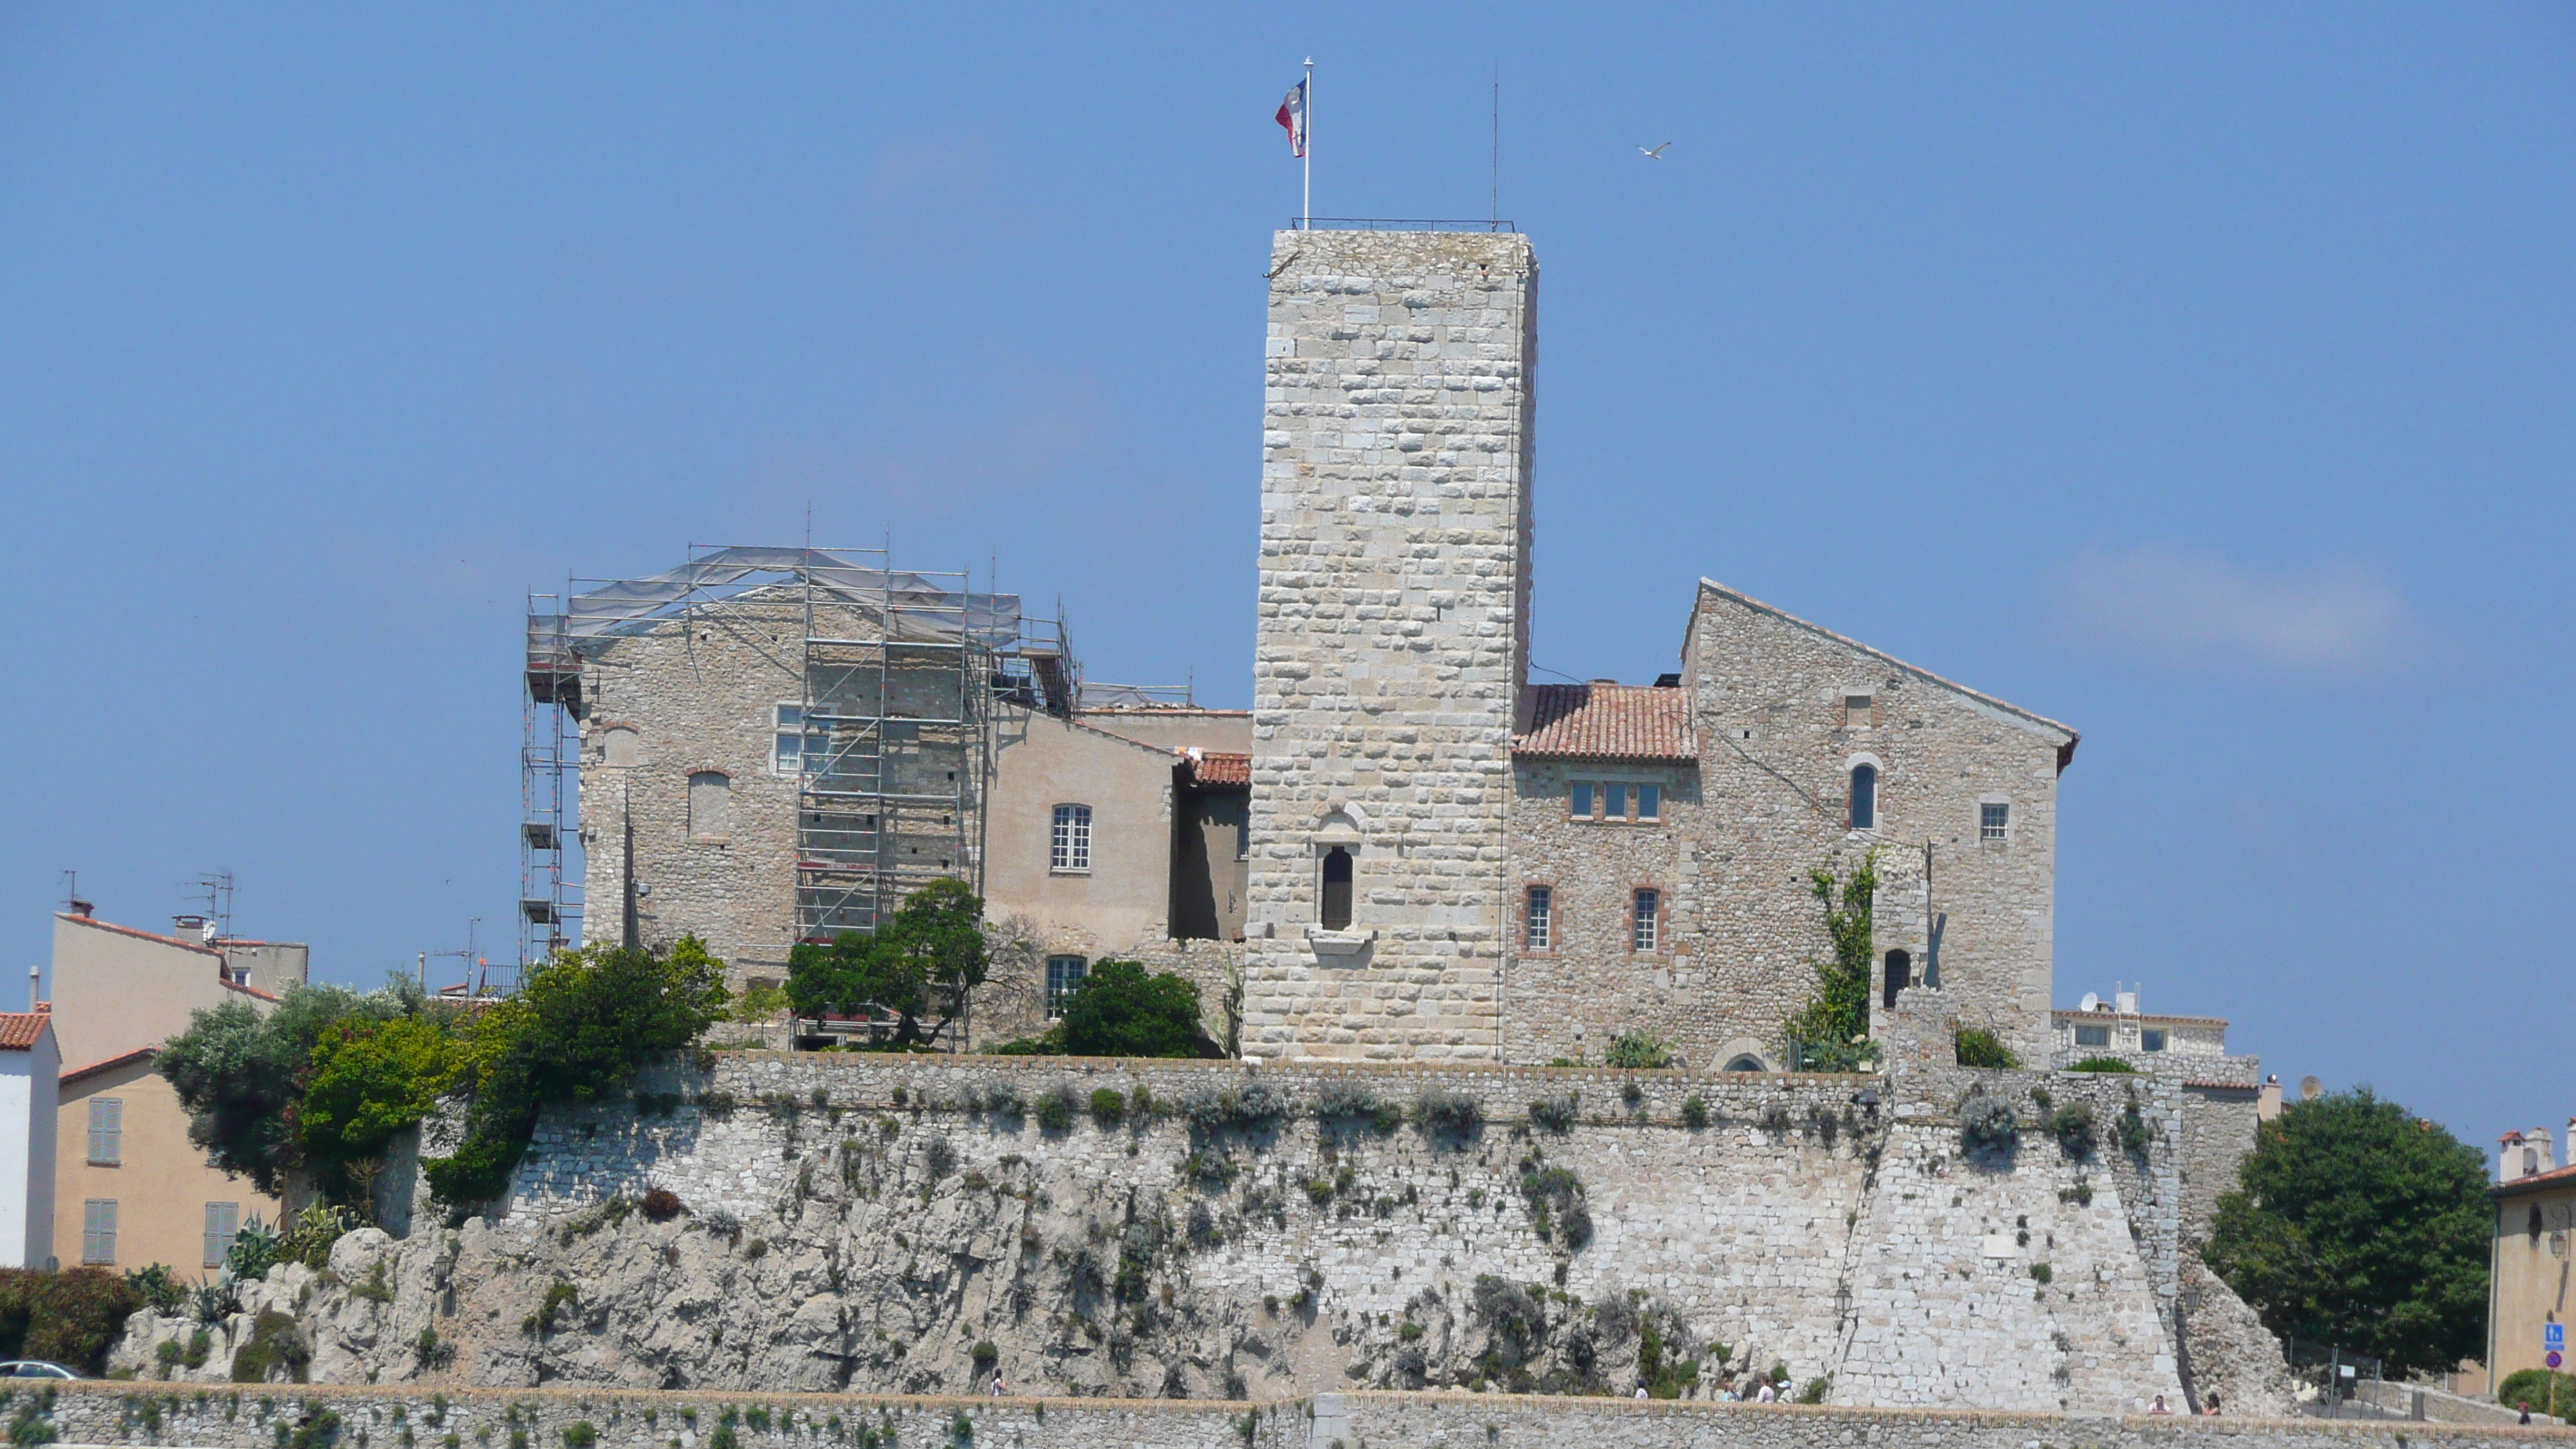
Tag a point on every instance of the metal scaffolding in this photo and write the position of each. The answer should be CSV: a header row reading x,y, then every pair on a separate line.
x,y
550,897
899,678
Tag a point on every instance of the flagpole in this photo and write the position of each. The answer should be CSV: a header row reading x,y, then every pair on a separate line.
x,y
1307,221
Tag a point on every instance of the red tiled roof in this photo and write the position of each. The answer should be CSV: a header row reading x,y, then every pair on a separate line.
x,y
250,991
19,1029
2556,1177
139,1054
1606,722
1212,769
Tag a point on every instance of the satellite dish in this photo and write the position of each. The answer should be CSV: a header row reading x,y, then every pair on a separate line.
x,y
2309,1087
2092,1002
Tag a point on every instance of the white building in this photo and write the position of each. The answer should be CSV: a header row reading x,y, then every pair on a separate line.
x,y
31,1065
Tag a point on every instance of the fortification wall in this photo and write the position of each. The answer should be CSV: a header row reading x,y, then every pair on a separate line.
x,y
1206,1229
109,1413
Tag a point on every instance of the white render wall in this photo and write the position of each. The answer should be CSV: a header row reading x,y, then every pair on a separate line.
x,y
1392,638
28,1082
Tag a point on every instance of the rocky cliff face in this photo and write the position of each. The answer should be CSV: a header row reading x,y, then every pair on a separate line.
x,y
1195,1230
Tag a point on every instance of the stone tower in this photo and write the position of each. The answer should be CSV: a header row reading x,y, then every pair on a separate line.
x,y
1393,641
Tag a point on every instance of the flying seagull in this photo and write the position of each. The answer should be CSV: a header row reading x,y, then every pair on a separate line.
x,y
1655,155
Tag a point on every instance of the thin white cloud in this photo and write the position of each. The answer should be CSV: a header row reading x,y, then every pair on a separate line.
x,y
2189,606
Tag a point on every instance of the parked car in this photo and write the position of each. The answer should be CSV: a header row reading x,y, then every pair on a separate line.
x,y
35,1368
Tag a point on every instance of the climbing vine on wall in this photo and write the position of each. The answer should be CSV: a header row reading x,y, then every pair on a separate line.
x,y
1833,1027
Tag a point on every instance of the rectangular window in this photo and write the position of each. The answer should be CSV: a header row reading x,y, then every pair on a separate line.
x,y
1064,977
1538,919
2092,1036
98,1230
1070,846
223,1224
1578,801
789,752
106,1131
2151,1040
1993,819
1857,709
1650,802
1648,904
1614,802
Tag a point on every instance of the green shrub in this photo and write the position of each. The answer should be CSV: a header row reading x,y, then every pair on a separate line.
x,y
1056,1109
1120,1011
1833,1026
1987,1124
1977,1047
1341,1101
1694,1112
580,1434
1439,1111
1108,1107
160,1289
254,1251
1638,1049
316,1229
2133,1130
986,1355
72,1317
2072,1126
1814,1392
2102,1064
2042,1272
924,962
2534,1386
275,1345
1239,1109
1556,1114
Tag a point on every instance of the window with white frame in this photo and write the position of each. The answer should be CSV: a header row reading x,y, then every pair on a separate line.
x,y
98,1230
787,750
1649,906
1538,919
1994,820
1069,845
223,1224
106,1131
1064,977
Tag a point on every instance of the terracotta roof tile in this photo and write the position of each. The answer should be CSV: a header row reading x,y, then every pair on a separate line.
x,y
2556,1177
139,1054
19,1029
1606,722
1214,769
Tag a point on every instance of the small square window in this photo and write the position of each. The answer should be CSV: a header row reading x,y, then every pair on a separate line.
x,y
1649,905
1857,710
1650,802
1994,820
1064,977
2152,1039
1578,801
1539,920
2092,1036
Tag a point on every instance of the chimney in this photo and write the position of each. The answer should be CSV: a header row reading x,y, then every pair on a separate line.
x,y
82,908
2267,1102
35,999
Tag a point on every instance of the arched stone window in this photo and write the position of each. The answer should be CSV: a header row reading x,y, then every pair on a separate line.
x,y
1745,1064
1900,974
710,801
1864,796
1337,889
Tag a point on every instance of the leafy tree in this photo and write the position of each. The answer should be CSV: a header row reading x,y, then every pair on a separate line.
x,y
921,964
1119,1011
239,1074
578,1030
2355,1223
72,1317
1834,1024
369,1080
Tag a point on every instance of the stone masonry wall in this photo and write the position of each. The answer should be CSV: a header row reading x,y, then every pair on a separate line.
x,y
393,1417
1392,637
864,1223
1775,757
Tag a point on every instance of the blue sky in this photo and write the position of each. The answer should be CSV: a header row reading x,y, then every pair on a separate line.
x,y
2196,375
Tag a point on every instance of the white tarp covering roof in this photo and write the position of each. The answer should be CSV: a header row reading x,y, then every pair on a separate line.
x,y
917,609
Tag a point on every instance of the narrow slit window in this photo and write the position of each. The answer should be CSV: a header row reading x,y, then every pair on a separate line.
x,y
1900,974
1648,908
1539,920
1337,889
1070,846
1864,796
1994,820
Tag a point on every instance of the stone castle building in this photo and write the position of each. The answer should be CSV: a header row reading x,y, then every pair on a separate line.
x,y
1451,862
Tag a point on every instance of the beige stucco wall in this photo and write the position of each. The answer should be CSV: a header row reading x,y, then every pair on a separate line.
x,y
2532,1271
116,989
162,1185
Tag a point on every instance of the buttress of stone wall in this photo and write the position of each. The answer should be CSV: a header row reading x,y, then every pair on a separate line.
x,y
1393,616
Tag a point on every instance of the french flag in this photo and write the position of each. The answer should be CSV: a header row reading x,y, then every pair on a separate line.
x,y
1292,118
